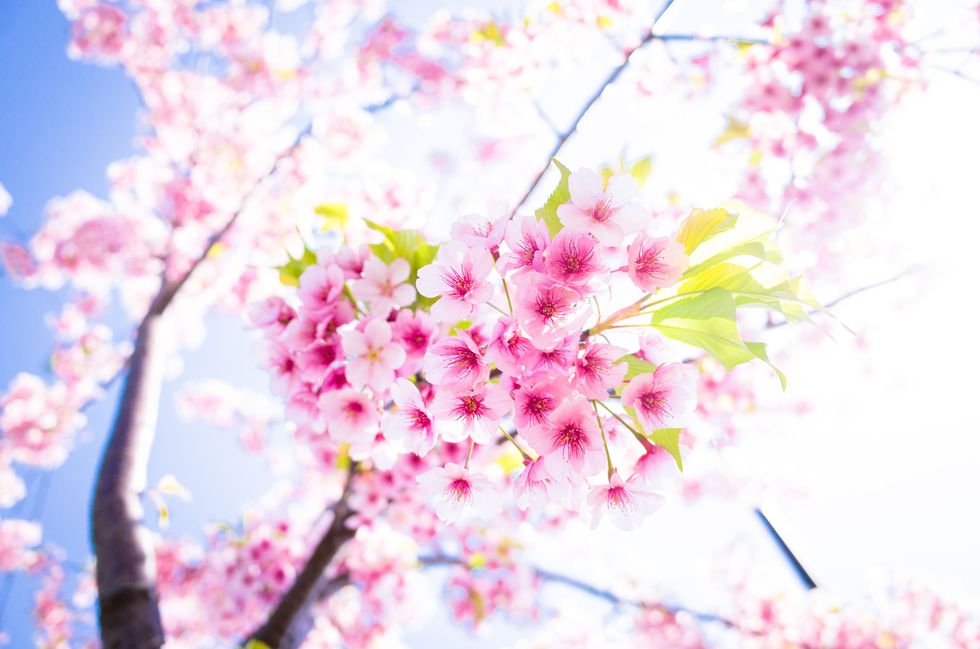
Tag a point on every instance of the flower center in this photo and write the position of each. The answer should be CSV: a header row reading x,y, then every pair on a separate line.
x,y
602,210
459,490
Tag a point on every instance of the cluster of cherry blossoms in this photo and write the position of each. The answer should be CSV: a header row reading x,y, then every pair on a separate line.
x,y
814,100
520,330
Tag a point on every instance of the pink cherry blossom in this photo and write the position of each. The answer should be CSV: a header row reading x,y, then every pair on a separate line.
x,y
479,409
18,540
664,399
608,214
319,288
596,371
548,311
457,492
383,285
573,258
625,502
508,348
534,402
349,414
570,439
414,332
455,360
373,358
458,277
480,231
655,263
535,487
412,423
527,238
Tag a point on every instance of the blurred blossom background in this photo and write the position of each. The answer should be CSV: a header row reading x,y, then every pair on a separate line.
x,y
866,463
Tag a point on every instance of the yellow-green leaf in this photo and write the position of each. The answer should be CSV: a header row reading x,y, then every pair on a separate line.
x,y
290,272
636,366
549,211
334,215
669,440
759,350
701,225
707,321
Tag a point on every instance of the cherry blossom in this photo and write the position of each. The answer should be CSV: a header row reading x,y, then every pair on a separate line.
x,y
413,423
373,357
608,214
383,286
624,502
458,279
458,492
665,398
655,263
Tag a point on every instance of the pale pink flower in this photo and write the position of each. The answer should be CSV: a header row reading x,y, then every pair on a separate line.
x,y
625,502
573,258
18,538
535,487
383,286
413,331
349,414
557,360
508,348
570,439
457,492
455,360
656,468
271,314
458,277
479,409
548,311
664,399
534,402
527,238
655,263
608,214
476,230
373,358
319,288
596,371
412,423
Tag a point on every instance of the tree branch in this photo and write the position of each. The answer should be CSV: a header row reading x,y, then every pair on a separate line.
x,y
276,631
608,81
595,591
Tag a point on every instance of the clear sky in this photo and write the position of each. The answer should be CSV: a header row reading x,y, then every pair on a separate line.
x,y
890,459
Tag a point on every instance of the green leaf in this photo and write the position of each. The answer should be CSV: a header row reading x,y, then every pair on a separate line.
x,y
759,350
706,320
669,440
255,644
290,271
549,212
635,366
701,225
334,215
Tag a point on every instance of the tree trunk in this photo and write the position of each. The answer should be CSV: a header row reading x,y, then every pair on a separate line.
x,y
129,616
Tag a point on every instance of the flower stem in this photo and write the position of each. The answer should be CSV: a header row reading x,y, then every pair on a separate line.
x,y
621,420
605,444
510,306
514,442
469,454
